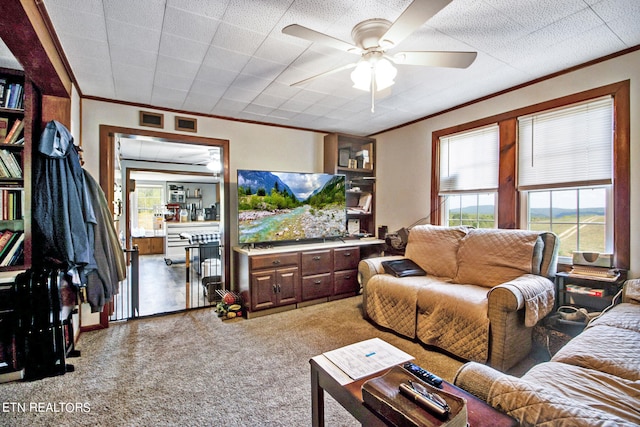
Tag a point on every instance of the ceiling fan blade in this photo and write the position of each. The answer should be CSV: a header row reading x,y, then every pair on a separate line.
x,y
436,59
316,37
327,73
418,12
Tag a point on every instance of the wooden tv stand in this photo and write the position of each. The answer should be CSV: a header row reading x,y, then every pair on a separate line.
x,y
283,278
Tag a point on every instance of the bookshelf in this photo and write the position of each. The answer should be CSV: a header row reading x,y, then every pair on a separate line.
x,y
15,170
354,156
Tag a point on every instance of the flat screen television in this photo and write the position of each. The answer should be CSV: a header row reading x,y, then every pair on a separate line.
x,y
290,206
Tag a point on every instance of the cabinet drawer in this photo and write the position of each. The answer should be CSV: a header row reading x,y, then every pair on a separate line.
x,y
317,286
346,282
271,261
316,262
346,258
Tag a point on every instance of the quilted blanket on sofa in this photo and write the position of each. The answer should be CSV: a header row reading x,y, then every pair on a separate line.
x,y
586,398
621,326
454,317
391,302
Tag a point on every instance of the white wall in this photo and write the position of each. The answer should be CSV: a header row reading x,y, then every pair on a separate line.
x,y
251,146
404,155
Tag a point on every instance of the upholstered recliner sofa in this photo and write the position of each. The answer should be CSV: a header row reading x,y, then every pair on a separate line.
x,y
484,291
594,380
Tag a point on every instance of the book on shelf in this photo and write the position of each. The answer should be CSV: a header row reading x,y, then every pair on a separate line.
x,y
364,205
13,97
4,127
3,91
5,236
11,202
9,257
11,163
13,134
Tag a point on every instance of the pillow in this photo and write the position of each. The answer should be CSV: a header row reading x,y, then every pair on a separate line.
x,y
402,268
489,257
435,248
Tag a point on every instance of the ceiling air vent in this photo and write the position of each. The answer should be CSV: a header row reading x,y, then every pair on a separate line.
x,y
155,120
186,124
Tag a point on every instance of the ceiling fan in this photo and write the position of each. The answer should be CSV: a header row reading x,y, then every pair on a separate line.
x,y
372,38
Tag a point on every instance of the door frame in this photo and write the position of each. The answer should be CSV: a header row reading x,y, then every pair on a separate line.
x,y
107,178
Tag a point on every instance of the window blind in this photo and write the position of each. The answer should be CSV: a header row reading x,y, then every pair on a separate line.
x,y
469,161
568,147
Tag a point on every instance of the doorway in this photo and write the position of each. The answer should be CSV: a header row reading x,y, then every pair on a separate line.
x,y
178,168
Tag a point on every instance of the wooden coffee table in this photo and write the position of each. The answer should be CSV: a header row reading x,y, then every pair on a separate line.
x,y
325,376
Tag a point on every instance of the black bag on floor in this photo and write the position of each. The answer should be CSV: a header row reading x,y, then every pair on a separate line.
x,y
40,333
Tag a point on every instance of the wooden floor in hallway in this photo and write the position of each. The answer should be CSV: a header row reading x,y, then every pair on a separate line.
x,y
163,287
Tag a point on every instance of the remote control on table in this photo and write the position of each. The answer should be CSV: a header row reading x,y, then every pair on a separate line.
x,y
423,374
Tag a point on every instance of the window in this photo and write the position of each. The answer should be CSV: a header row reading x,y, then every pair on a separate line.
x,y
581,217
594,181
469,177
565,171
147,198
473,210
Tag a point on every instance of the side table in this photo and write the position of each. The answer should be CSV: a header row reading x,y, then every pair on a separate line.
x,y
325,376
588,301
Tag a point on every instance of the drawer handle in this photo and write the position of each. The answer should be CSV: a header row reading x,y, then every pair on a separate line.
x,y
317,282
347,277
316,258
276,262
347,254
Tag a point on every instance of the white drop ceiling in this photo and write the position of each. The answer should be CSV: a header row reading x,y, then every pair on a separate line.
x,y
229,57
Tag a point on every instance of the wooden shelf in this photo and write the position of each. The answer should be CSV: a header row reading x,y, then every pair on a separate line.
x,y
336,148
19,186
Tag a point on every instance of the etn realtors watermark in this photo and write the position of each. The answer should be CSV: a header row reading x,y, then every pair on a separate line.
x,y
52,407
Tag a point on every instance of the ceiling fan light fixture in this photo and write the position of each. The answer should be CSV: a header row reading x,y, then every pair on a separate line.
x,y
385,74
379,69
361,75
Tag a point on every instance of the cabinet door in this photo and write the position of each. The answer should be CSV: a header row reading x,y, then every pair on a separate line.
x,y
346,258
316,262
317,286
287,285
274,261
346,282
143,243
263,289
157,245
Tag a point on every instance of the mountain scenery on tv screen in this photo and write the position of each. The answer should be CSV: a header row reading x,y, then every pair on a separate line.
x,y
281,206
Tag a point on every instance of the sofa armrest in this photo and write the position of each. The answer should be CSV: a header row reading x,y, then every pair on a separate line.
x,y
476,378
514,308
519,292
369,267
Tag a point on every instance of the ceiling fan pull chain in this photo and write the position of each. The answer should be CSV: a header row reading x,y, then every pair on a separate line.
x,y
373,89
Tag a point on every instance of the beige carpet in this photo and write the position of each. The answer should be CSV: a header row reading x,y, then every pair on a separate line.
x,y
193,369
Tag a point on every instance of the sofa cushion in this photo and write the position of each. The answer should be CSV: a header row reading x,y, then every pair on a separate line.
x,y
489,257
625,315
435,248
454,317
606,349
391,301
557,394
